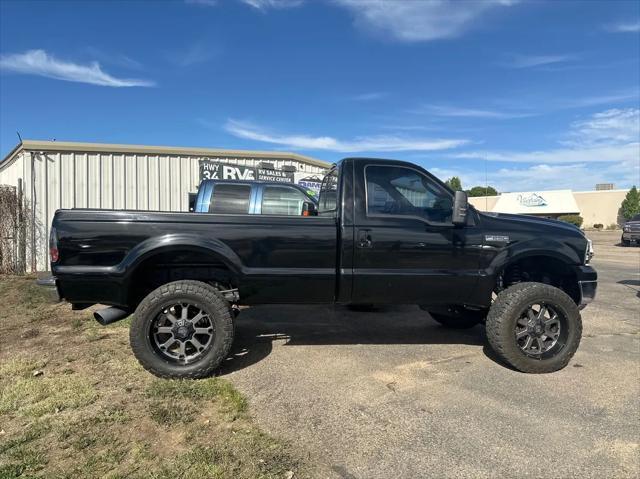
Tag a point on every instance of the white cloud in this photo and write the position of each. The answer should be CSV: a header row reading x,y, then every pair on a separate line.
x,y
456,112
628,27
531,61
604,147
522,107
415,21
610,153
264,5
615,126
371,96
611,136
39,62
589,101
379,143
577,176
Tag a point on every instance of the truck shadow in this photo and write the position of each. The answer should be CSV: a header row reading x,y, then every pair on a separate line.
x,y
258,328
630,283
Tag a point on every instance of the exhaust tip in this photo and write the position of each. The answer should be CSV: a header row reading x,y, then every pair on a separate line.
x,y
110,315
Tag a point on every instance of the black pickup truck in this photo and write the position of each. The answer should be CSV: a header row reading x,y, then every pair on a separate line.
x,y
384,232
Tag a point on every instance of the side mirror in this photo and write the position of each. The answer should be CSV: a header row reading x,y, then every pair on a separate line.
x,y
309,209
460,205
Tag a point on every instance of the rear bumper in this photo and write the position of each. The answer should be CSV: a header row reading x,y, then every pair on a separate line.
x,y
587,284
49,284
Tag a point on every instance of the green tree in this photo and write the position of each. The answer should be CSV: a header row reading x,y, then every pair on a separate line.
x,y
631,204
454,183
482,191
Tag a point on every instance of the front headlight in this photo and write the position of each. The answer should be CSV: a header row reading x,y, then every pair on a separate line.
x,y
626,228
588,254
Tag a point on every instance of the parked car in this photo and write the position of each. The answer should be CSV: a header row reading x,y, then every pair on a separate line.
x,y
385,232
254,198
631,231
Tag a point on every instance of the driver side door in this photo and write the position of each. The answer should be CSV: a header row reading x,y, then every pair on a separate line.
x,y
406,248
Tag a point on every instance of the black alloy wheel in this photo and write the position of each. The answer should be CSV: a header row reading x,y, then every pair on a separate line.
x,y
534,327
182,330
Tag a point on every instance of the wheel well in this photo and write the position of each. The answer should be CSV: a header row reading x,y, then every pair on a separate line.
x,y
175,265
541,269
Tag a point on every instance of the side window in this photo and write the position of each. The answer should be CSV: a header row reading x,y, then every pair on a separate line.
x,y
230,199
399,191
283,201
328,200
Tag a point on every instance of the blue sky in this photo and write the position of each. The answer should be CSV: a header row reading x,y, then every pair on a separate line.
x,y
540,95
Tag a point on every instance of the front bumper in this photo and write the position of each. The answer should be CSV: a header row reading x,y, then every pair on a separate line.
x,y
51,287
587,284
631,236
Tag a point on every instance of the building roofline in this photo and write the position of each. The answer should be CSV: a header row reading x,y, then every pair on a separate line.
x,y
603,191
173,150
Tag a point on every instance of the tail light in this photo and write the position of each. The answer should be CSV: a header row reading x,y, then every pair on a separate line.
x,y
53,246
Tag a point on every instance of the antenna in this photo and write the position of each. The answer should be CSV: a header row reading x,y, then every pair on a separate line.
x,y
486,185
19,137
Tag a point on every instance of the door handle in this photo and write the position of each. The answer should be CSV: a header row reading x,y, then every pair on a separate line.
x,y
364,239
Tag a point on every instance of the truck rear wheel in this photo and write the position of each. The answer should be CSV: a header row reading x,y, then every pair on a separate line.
x,y
534,327
182,329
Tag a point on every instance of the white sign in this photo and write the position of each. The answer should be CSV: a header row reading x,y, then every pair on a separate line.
x,y
532,199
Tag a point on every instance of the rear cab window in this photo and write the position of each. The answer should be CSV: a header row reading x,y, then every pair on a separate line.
x,y
230,199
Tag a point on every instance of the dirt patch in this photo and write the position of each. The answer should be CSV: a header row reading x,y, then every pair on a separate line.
x,y
75,403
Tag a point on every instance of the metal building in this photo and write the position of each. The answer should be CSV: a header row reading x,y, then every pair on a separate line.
x,y
53,175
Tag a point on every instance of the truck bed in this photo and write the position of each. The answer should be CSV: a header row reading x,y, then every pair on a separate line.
x,y
100,252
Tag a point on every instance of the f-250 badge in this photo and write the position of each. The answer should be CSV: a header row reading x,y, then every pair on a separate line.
x,y
496,238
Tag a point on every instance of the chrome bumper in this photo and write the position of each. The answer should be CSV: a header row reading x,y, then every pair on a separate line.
x,y
50,286
587,292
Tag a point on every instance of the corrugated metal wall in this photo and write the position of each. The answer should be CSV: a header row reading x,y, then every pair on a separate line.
x,y
110,181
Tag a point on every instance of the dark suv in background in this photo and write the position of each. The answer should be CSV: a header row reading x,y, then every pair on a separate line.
x,y
631,231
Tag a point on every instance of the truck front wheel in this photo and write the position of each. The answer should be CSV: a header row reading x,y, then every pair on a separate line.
x,y
182,329
534,327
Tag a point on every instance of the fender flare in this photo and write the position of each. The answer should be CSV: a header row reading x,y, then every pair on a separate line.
x,y
189,242
546,247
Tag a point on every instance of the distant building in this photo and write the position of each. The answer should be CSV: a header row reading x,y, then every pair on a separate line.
x,y
54,175
595,207
604,186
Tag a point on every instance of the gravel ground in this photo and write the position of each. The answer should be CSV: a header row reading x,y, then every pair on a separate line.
x,y
392,394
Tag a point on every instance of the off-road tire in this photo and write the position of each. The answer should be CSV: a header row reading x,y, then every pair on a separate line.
x,y
211,300
504,313
456,322
625,242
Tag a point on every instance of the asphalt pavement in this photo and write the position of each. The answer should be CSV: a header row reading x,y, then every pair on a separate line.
x,y
392,394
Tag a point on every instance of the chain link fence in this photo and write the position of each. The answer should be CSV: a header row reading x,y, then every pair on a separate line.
x,y
14,230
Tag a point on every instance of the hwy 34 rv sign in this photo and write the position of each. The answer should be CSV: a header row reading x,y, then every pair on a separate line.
x,y
213,170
